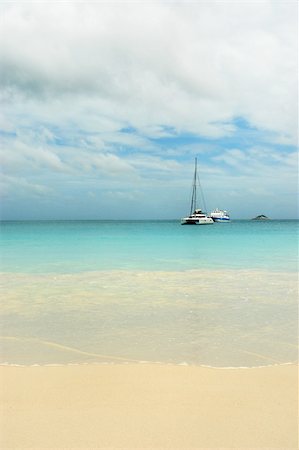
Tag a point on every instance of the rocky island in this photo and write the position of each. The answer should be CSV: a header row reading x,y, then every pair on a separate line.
x,y
261,217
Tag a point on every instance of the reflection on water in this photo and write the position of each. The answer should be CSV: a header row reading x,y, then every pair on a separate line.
x,y
216,318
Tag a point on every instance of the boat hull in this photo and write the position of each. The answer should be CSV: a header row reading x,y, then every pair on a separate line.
x,y
197,221
221,219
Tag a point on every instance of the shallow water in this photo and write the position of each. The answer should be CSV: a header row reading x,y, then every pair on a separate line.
x,y
176,309
217,318
77,246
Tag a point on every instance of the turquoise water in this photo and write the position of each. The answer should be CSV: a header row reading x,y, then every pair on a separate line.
x,y
103,292
68,247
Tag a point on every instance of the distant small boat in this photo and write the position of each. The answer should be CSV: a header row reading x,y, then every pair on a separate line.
x,y
220,215
197,216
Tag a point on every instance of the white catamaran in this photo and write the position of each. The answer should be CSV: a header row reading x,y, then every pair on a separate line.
x,y
197,216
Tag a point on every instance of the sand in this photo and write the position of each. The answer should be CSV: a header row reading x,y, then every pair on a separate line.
x,y
148,406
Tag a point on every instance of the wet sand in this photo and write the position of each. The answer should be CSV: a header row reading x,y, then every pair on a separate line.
x,y
151,406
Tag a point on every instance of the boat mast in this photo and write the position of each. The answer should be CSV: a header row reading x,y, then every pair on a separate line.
x,y
193,200
194,192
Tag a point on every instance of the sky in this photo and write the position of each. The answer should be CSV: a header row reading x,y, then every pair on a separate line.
x,y
105,105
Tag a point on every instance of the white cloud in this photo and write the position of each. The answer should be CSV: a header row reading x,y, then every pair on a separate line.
x,y
87,88
187,65
10,184
18,155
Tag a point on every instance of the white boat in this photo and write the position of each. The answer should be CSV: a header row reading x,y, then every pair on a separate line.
x,y
219,215
197,216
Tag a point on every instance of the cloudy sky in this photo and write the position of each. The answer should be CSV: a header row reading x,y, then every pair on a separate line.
x,y
104,106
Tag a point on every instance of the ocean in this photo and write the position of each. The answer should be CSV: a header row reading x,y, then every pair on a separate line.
x,y
90,292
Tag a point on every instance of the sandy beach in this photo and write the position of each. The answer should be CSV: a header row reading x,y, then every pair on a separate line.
x,y
152,406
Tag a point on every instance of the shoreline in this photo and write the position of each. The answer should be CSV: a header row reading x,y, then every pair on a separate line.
x,y
148,363
204,270
148,406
